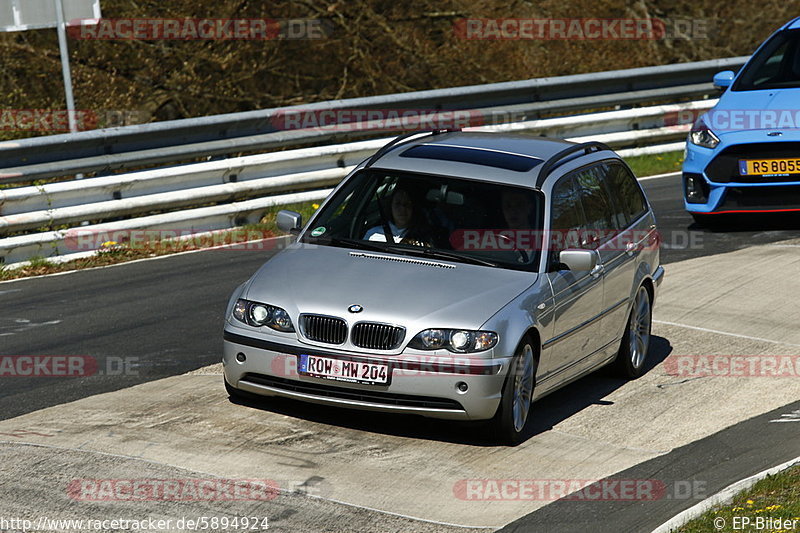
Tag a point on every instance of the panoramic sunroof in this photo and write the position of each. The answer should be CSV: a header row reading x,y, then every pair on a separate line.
x,y
488,158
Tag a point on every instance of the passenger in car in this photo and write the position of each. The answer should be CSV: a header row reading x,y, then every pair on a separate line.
x,y
517,209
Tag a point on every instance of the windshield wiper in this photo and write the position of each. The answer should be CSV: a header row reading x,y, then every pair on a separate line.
x,y
441,254
427,252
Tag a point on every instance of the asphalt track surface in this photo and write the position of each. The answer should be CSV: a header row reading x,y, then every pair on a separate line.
x,y
164,317
708,465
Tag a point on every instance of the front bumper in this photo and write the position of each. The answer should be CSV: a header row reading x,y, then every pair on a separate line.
x,y
724,190
422,385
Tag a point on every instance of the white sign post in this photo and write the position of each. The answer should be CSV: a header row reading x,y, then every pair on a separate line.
x,y
22,15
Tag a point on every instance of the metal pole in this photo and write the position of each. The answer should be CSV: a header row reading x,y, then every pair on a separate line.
x,y
62,44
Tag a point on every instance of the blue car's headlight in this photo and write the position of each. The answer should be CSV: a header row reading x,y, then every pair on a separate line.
x,y
258,314
455,340
701,135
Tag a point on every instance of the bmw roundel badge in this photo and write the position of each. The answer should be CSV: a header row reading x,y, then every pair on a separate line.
x,y
355,308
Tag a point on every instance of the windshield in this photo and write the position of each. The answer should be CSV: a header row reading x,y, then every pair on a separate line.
x,y
439,217
775,66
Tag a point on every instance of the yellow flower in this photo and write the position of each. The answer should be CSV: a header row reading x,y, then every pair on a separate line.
x,y
108,243
749,502
315,206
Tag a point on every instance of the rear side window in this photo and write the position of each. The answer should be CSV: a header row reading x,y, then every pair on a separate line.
x,y
595,198
568,223
626,193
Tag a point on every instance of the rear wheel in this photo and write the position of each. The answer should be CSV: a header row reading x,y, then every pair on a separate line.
x,y
635,343
512,417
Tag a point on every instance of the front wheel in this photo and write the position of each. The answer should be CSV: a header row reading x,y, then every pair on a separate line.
x,y
512,417
635,343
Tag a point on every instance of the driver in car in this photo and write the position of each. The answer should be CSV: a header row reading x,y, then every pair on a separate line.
x,y
407,221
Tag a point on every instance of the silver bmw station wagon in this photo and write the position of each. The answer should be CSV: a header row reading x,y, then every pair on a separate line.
x,y
457,275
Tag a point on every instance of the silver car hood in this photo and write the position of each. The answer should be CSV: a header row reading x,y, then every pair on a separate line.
x,y
397,289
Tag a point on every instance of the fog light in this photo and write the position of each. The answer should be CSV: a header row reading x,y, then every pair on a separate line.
x,y
241,357
695,188
462,387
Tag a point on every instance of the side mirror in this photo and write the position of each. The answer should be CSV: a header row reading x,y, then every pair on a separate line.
x,y
723,79
289,221
579,260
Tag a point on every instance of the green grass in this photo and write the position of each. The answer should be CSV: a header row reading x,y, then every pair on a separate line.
x,y
115,253
774,497
267,222
650,165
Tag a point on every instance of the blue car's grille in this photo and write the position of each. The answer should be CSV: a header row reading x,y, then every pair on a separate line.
x,y
725,166
762,198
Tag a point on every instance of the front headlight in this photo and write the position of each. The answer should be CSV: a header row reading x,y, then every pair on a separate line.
x,y
455,340
701,135
258,314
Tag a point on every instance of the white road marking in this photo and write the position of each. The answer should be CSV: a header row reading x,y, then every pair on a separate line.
x,y
718,332
794,416
12,290
23,324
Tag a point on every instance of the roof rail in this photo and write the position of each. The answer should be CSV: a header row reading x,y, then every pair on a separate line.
x,y
553,162
401,138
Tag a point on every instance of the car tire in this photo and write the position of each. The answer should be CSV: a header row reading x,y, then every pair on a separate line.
x,y
635,345
513,414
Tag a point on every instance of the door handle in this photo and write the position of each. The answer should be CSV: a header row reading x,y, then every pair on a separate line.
x,y
597,270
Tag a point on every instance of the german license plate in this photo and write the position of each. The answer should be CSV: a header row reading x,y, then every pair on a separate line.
x,y
339,370
756,167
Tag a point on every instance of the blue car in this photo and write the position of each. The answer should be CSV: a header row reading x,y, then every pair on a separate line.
x,y
743,156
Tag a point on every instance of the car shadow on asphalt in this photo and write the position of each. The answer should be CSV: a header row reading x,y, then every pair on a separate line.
x,y
749,222
548,412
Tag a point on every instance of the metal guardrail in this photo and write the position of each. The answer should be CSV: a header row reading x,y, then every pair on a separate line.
x,y
240,184
27,208
182,140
